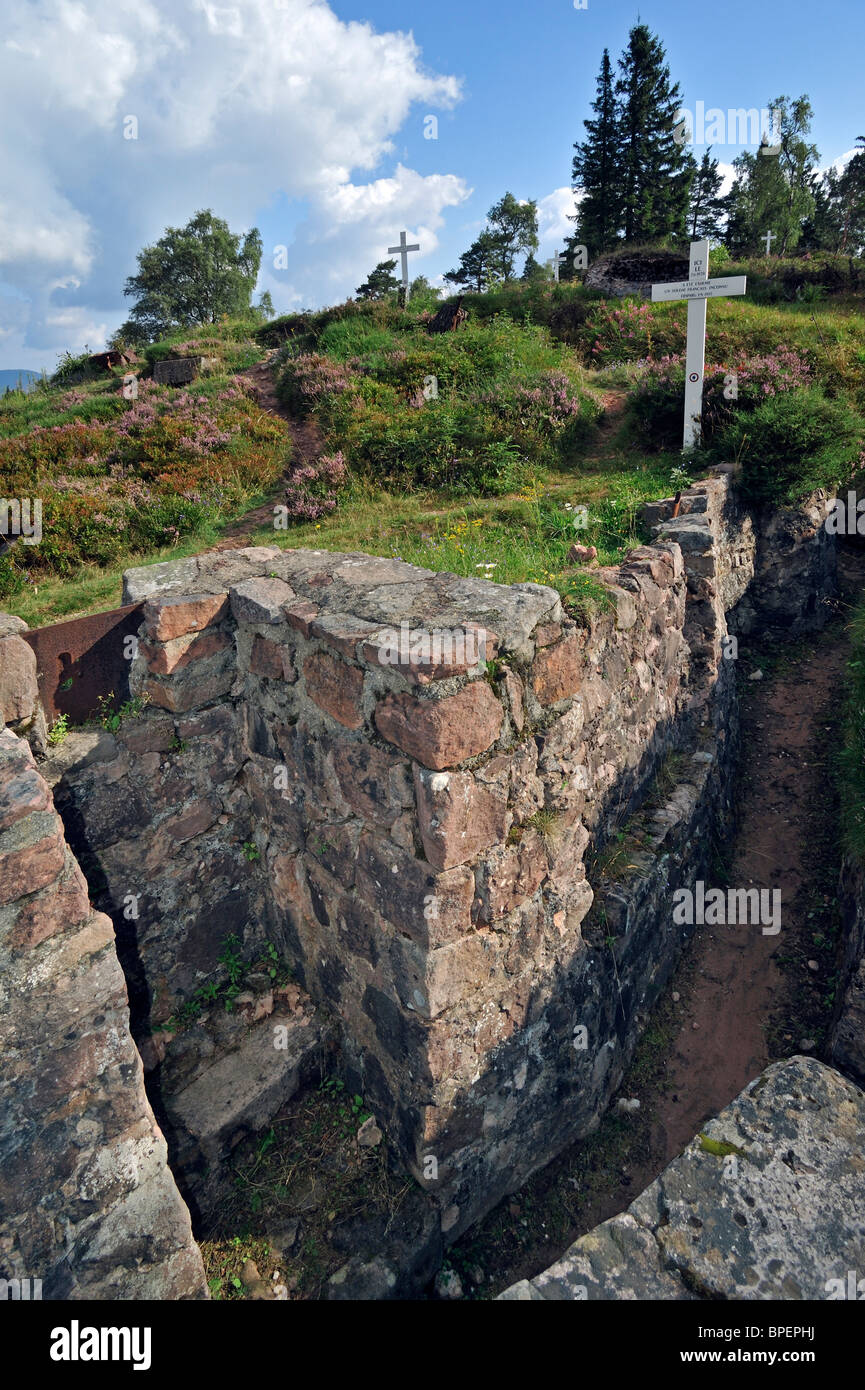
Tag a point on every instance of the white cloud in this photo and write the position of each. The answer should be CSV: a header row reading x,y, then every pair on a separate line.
x,y
728,174
553,213
235,105
840,164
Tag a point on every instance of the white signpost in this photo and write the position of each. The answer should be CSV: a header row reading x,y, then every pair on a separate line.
x,y
403,255
696,290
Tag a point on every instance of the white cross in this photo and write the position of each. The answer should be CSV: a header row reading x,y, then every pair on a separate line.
x,y
696,290
770,237
403,254
555,262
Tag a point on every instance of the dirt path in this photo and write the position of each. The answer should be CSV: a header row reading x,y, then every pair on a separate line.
x,y
749,998
306,445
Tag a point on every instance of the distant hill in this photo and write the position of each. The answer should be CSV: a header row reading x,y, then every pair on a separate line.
x,y
9,376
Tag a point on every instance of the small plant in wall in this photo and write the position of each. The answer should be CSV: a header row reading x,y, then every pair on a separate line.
x,y
111,718
230,959
680,478
251,852
59,729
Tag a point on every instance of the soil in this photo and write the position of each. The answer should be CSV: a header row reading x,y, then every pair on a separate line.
x,y
306,445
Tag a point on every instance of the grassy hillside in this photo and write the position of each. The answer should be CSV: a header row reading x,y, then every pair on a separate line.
x,y
472,451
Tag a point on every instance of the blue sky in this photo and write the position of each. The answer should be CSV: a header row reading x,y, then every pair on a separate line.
x,y
307,120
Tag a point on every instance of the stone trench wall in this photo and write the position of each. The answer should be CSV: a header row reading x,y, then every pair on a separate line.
x,y
88,1204
412,824
422,819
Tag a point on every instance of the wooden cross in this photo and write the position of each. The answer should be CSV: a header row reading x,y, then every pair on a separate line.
x,y
403,255
696,290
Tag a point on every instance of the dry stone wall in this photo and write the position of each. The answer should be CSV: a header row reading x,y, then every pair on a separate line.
x,y
421,762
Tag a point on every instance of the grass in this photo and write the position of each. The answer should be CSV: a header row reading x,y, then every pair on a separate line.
x,y
851,759
484,480
307,1174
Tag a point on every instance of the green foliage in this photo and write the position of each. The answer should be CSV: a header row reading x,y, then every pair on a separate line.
x,y
192,275
773,191
120,478
457,411
251,852
59,729
791,444
379,283
597,170
512,228
705,215
112,718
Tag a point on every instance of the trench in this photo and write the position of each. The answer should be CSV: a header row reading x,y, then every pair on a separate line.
x,y
739,999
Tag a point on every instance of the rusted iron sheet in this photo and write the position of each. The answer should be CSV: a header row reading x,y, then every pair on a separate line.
x,y
82,659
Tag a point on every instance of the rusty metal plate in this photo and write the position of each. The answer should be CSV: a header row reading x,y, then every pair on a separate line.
x,y
82,659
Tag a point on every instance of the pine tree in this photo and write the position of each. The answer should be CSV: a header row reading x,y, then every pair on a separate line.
x,y
656,171
707,206
478,267
851,198
596,170
380,282
533,270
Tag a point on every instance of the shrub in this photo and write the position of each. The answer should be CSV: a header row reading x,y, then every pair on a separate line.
x,y
793,442
312,488
656,403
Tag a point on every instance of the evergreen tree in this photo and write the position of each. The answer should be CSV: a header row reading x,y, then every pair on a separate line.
x,y
707,207
596,170
851,200
478,267
533,270
380,282
655,170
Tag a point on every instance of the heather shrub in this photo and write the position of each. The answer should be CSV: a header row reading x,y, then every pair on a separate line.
x,y
312,488
656,402
461,411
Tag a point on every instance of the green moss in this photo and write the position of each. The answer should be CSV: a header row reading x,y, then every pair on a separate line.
x,y
719,1147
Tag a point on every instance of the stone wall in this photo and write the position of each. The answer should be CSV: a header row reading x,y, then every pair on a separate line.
x,y
401,778
87,1202
847,1038
421,819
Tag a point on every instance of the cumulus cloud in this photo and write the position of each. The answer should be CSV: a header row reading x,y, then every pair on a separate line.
x,y
553,213
119,121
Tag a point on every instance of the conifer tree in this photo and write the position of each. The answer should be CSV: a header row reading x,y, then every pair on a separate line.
x,y
707,207
656,170
595,171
